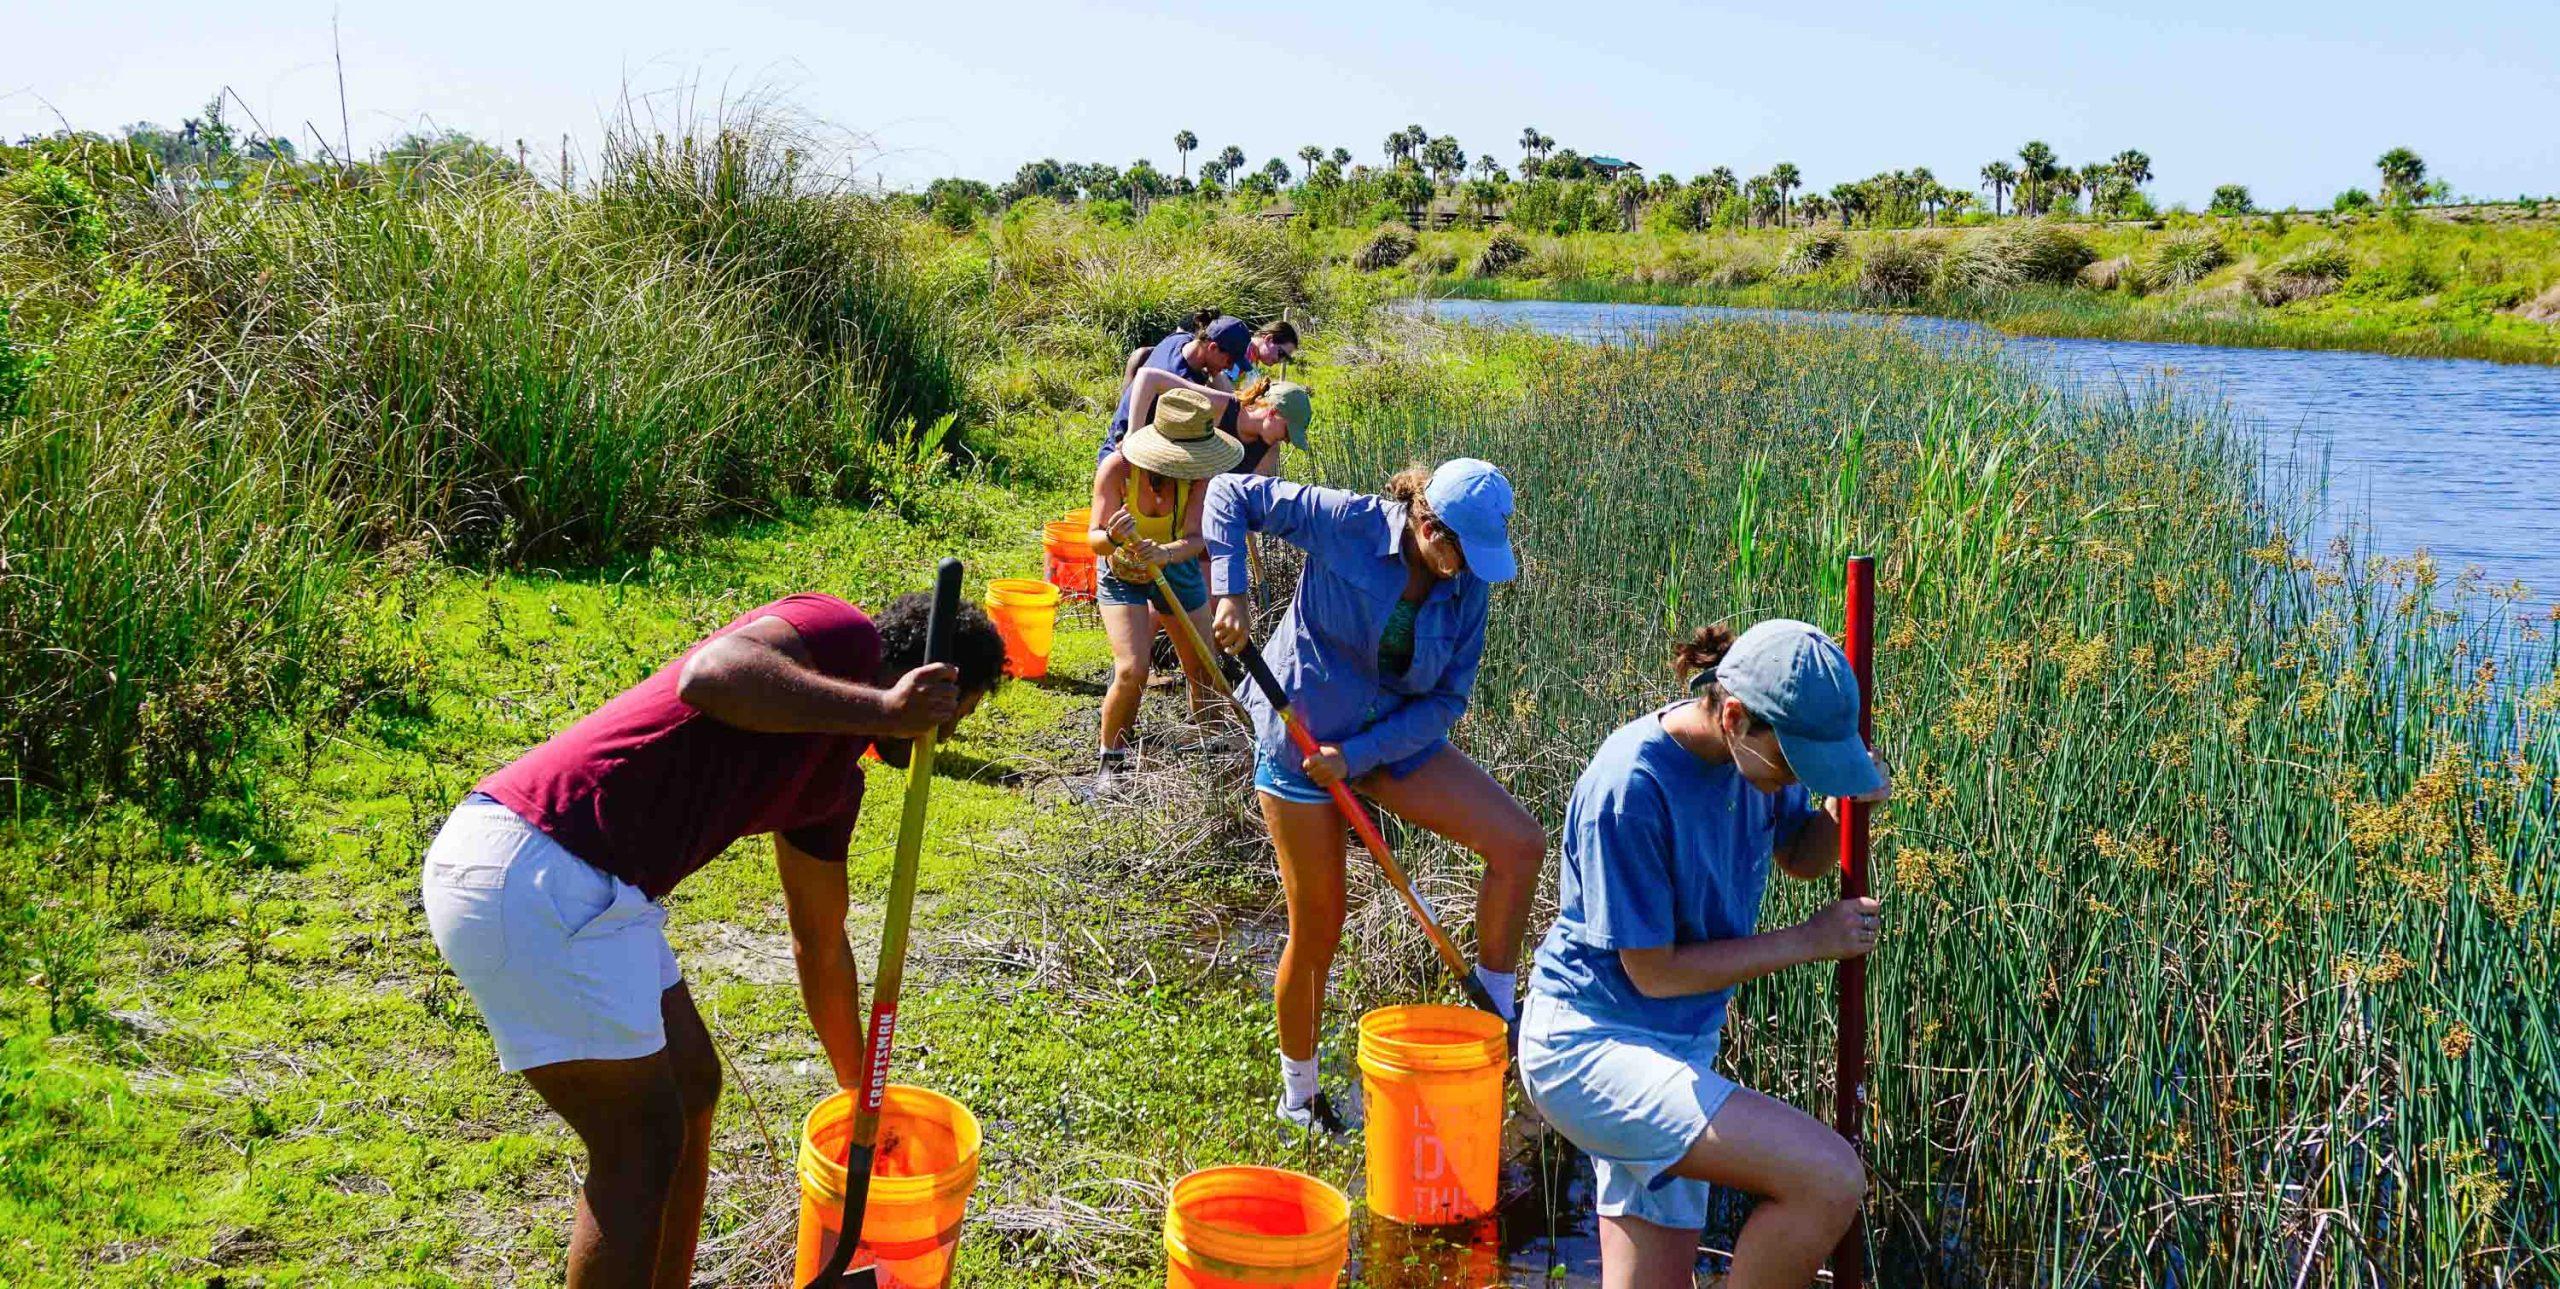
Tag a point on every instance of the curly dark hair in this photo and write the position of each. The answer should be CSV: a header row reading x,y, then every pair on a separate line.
x,y
976,649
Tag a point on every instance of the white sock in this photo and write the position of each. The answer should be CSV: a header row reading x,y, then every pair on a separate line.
x,y
1297,1081
1502,985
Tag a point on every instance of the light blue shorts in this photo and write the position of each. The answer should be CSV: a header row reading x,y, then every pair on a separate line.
x,y
1190,586
1634,1100
1280,776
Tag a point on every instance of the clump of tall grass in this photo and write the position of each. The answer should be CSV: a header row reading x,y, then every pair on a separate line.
x,y
2311,271
1502,252
1812,251
2220,877
2185,257
1385,249
1897,270
2004,257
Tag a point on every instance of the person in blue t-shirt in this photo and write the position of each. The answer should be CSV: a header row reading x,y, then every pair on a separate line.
x,y
1667,846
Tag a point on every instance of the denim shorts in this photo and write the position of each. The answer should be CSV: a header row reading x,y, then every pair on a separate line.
x,y
1633,1099
566,961
1188,586
1281,776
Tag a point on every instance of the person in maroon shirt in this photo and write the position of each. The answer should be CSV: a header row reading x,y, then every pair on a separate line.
x,y
543,888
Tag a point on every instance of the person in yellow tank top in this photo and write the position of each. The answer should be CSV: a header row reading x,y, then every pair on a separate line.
x,y
1147,496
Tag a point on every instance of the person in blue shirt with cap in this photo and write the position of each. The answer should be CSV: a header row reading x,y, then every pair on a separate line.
x,y
1378,652
1667,846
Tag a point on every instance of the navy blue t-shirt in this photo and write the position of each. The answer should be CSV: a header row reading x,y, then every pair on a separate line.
x,y
1661,847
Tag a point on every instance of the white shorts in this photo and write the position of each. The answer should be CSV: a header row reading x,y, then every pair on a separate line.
x,y
567,962
1634,1100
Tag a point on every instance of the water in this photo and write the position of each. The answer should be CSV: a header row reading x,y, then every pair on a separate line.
x,y
2457,457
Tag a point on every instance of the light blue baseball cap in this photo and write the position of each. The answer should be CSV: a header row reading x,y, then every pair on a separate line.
x,y
1791,675
1474,500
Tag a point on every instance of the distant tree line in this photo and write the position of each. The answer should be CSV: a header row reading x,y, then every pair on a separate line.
x,y
1418,174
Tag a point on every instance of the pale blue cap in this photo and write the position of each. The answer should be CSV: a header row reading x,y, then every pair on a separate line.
x,y
1474,500
1790,674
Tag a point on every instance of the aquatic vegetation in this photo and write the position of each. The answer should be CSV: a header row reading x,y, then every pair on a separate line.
x,y
2221,871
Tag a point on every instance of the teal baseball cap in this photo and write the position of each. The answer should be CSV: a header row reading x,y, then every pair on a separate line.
x,y
1790,674
1474,499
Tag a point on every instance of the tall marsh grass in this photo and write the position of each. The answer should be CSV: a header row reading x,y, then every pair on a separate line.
x,y
217,398
2219,883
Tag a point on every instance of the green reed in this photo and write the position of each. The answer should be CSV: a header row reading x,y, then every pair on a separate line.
x,y
2218,879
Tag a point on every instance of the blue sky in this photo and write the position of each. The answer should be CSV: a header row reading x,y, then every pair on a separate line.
x,y
2294,99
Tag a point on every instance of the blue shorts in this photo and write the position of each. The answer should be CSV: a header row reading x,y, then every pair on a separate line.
x,y
1634,1099
1289,783
1185,578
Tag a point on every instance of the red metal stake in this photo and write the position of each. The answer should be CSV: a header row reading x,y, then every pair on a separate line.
x,y
1849,1097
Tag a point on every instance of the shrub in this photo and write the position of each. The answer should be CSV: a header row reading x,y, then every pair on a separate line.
x,y
2019,253
58,204
1744,267
1385,249
2405,278
2185,257
1500,255
1436,260
1898,268
1811,251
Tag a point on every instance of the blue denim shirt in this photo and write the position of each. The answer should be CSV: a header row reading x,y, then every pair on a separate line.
x,y
1326,650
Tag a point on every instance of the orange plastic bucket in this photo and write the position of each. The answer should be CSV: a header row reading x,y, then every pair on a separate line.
x,y
1026,614
1432,1081
1227,1228
1070,556
920,1184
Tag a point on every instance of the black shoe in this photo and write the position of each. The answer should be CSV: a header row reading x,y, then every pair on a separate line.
x,y
1318,1116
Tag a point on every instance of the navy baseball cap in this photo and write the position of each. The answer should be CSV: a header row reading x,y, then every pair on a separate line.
x,y
1474,500
1790,674
1231,335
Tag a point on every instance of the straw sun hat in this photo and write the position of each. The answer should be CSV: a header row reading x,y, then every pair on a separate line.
x,y
1185,441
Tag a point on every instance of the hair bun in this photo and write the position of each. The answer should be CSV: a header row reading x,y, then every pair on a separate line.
x,y
1699,654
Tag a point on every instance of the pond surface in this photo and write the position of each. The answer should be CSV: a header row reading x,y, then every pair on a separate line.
x,y
2460,458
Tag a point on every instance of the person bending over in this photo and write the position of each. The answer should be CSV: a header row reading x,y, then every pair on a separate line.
x,y
1667,846
543,889
1378,651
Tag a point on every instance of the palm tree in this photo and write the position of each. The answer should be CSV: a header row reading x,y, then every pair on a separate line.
x,y
1630,189
1395,147
1788,179
1443,157
2036,168
1310,154
1848,199
2404,175
1183,142
2132,165
1529,137
1487,167
1815,208
1342,156
1998,176
1231,158
1924,186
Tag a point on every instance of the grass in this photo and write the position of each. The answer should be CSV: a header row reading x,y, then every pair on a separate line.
x,y
2220,877
2220,874
2433,289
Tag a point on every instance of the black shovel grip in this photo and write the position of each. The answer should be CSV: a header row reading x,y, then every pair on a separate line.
x,y
946,612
